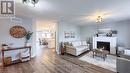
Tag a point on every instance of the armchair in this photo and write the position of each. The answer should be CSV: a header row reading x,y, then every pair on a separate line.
x,y
123,62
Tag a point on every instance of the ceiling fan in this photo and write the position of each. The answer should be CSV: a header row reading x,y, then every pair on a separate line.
x,y
31,2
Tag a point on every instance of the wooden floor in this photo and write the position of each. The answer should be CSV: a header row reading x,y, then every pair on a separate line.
x,y
49,62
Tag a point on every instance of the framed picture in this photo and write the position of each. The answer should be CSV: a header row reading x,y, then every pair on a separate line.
x,y
72,35
18,31
66,34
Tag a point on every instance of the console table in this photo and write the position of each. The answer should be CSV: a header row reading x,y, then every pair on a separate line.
x,y
11,49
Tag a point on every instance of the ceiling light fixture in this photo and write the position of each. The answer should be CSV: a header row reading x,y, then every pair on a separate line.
x,y
30,2
99,19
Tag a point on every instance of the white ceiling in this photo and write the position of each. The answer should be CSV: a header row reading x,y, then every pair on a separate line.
x,y
76,11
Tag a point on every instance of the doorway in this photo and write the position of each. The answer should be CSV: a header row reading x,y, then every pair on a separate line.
x,y
45,36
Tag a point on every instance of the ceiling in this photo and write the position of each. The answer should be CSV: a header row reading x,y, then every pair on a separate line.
x,y
81,12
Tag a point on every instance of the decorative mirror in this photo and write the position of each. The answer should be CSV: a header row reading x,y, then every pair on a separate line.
x,y
18,31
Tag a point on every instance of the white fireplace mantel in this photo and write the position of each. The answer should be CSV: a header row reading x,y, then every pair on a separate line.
x,y
112,41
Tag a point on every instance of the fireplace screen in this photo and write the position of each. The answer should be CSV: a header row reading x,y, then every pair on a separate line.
x,y
106,45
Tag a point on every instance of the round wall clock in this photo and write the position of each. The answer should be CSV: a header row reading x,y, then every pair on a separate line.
x,y
18,31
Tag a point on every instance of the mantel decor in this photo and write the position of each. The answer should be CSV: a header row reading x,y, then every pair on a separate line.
x,y
105,32
18,31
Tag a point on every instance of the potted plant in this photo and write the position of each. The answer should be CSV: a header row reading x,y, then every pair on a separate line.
x,y
27,38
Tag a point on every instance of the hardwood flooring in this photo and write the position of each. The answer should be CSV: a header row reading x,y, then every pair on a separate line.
x,y
49,62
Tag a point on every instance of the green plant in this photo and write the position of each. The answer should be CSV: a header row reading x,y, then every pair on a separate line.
x,y
28,35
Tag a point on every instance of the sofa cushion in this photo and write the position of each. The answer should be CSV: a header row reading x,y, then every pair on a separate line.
x,y
76,43
84,43
67,44
79,48
85,46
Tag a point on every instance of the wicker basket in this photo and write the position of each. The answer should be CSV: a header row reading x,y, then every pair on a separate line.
x,y
7,61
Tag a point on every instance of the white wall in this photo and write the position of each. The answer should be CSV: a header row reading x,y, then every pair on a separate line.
x,y
88,32
64,27
122,28
5,25
34,37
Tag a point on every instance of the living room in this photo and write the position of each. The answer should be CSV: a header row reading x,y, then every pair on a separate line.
x,y
88,32
86,36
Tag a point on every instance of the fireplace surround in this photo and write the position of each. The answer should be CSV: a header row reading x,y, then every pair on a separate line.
x,y
106,40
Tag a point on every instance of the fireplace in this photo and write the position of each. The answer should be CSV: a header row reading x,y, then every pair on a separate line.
x,y
106,45
110,41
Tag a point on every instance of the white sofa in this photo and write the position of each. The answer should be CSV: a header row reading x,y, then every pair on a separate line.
x,y
77,47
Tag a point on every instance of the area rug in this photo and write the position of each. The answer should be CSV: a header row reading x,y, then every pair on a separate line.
x,y
109,63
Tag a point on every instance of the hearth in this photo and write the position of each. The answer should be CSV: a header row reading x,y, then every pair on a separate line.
x,y
105,45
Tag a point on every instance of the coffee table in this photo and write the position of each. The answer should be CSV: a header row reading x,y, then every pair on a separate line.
x,y
101,53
